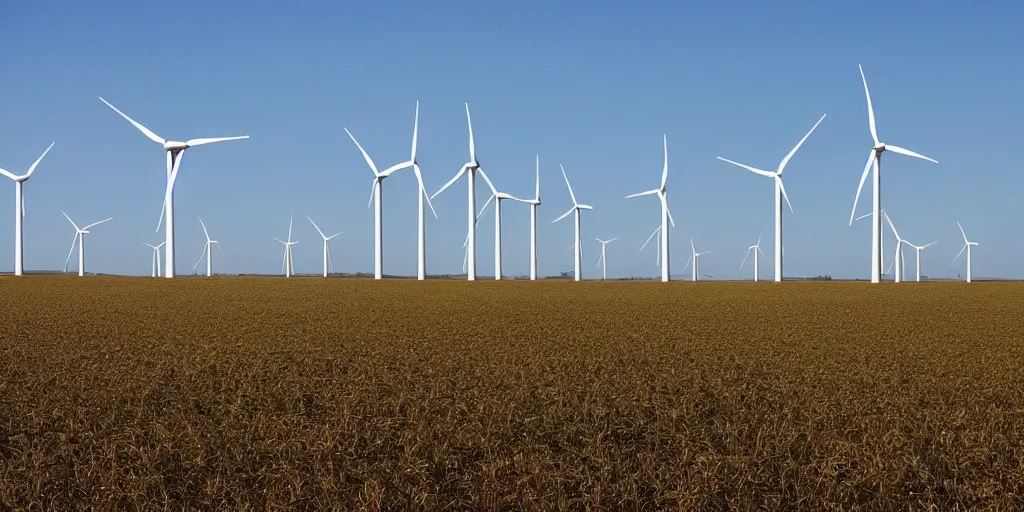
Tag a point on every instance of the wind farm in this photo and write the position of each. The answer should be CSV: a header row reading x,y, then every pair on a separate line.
x,y
596,364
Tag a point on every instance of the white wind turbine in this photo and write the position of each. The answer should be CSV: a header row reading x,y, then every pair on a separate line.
x,y
19,211
207,251
498,198
780,194
756,248
576,208
175,151
875,161
376,193
967,246
155,264
602,259
533,225
666,215
471,167
695,258
898,262
918,249
287,267
328,265
80,240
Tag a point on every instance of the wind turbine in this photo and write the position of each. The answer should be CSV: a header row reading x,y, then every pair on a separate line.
x,y
576,207
897,260
207,251
695,258
657,258
756,248
602,260
967,246
498,198
156,258
533,226
175,151
80,240
918,249
875,161
328,266
471,167
780,194
666,215
376,193
288,267
19,211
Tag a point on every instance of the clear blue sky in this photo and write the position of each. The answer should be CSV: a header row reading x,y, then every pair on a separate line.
x,y
587,85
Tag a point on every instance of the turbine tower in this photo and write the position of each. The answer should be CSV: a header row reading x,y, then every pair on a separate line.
x,y
375,197
328,265
576,208
498,198
666,215
533,226
155,264
967,246
207,251
175,151
875,161
80,240
469,169
755,249
602,260
780,193
287,266
19,211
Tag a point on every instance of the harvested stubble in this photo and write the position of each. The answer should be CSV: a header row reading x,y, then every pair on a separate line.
x,y
236,393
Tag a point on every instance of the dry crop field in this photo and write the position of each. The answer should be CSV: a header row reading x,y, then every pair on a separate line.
x,y
253,393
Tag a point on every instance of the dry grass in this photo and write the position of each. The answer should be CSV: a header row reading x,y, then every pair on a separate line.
x,y
238,393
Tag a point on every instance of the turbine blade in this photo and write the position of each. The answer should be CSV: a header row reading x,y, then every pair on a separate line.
x,y
210,140
423,190
763,254
373,189
76,225
571,194
928,245
97,223
871,110
758,240
451,181
754,170
200,260
895,255
612,240
745,256
317,227
163,206
564,215
9,174
655,232
536,196
415,132
893,227
395,168
366,156
290,219
145,131
962,249
488,203
688,260
205,232
903,151
782,188
488,180
782,165
664,204
863,216
584,207
71,250
664,170
863,178
957,225
647,193
472,143
32,169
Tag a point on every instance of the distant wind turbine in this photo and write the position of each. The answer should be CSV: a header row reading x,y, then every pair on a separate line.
x,y
602,260
288,267
918,249
175,151
469,169
498,198
695,258
666,215
80,240
155,264
19,211
967,247
898,263
780,194
576,208
328,266
875,161
755,249
207,251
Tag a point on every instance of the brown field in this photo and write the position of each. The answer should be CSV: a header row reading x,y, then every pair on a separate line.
x,y
255,393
